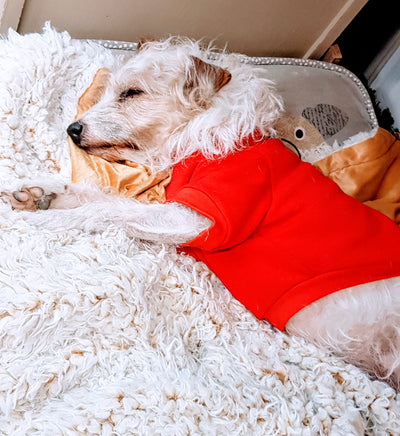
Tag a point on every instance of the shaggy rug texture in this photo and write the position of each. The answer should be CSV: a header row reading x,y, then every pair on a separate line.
x,y
104,335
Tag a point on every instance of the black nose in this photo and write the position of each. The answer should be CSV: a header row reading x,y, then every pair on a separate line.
x,y
74,130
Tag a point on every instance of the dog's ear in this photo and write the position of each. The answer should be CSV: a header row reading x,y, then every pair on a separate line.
x,y
204,80
95,91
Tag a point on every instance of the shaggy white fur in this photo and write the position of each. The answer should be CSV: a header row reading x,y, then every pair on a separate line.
x,y
178,111
101,334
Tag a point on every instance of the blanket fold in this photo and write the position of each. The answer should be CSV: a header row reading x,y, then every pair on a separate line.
x,y
369,171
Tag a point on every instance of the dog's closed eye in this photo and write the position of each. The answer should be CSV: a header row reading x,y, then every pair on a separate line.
x,y
131,92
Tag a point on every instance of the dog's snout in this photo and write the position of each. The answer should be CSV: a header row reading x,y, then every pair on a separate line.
x,y
74,130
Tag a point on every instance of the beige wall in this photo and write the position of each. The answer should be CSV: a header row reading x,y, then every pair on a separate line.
x,y
300,28
10,13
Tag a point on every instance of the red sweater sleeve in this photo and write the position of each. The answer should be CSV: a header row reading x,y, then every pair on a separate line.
x,y
234,193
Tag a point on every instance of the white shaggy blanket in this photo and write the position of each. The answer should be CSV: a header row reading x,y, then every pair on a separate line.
x,y
104,335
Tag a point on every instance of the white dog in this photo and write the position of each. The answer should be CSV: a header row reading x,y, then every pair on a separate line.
x,y
283,238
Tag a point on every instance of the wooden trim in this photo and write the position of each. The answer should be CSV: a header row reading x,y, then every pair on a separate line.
x,y
333,55
10,14
338,23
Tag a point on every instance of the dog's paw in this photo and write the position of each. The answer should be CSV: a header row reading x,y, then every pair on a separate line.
x,y
29,199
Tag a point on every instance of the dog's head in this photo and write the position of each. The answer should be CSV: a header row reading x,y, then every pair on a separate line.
x,y
163,104
142,104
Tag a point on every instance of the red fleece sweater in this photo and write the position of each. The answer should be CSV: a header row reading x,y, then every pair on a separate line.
x,y
283,235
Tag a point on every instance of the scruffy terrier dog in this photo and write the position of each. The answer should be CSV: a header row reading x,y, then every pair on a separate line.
x,y
284,239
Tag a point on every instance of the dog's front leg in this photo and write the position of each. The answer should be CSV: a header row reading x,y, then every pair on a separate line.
x,y
92,210
169,223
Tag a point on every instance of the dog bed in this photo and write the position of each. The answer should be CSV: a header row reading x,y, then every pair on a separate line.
x,y
105,335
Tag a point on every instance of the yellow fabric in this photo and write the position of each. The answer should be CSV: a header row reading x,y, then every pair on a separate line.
x,y
129,179
369,171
